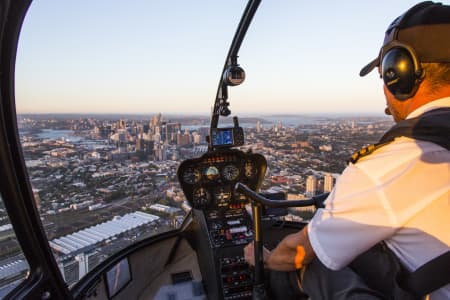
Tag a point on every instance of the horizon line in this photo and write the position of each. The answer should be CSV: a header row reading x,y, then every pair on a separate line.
x,y
203,114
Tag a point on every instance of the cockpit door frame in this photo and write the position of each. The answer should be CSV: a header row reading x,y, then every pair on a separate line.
x,y
44,280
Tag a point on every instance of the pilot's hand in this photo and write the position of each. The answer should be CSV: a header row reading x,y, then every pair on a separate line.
x,y
249,254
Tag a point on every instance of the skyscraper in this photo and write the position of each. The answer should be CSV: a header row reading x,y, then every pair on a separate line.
x,y
258,126
183,139
311,185
156,120
328,183
196,138
171,132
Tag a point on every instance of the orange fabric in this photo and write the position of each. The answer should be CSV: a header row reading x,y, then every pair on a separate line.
x,y
299,257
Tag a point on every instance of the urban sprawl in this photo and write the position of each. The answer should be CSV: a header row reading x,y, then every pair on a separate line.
x,y
101,183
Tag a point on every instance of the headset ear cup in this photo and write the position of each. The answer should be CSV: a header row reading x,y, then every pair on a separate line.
x,y
401,73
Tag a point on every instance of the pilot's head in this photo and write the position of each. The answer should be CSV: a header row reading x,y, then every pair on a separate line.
x,y
414,61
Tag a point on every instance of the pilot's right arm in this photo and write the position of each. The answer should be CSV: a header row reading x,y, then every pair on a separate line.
x,y
292,253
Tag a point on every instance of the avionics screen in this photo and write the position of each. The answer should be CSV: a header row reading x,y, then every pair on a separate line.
x,y
118,277
222,137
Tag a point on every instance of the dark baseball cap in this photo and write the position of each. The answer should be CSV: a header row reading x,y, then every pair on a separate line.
x,y
424,29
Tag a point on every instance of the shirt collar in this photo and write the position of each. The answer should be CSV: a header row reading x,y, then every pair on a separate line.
x,y
439,103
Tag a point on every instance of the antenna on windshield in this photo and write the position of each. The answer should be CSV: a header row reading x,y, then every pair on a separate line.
x,y
232,73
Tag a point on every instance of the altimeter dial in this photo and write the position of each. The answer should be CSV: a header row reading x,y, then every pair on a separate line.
x,y
230,172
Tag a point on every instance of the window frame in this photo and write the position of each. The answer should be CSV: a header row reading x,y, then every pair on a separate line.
x,y
45,280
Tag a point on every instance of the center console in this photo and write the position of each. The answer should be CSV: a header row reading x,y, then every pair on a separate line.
x,y
226,227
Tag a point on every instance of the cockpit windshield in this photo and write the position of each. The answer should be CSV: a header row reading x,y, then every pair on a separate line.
x,y
111,97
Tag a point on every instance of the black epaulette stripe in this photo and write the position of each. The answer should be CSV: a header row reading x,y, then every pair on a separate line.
x,y
365,151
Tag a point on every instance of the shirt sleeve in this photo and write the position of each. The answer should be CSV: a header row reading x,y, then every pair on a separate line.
x,y
356,217
377,198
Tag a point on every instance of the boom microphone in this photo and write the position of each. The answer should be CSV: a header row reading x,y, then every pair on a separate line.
x,y
387,111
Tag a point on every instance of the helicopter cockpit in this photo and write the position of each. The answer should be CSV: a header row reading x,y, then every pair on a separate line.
x,y
201,259
102,212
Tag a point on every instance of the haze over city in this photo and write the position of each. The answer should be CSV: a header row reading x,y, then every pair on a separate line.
x,y
158,56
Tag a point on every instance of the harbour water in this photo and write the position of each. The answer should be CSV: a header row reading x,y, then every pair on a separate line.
x,y
53,134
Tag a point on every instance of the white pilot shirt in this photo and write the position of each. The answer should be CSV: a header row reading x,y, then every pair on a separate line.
x,y
400,194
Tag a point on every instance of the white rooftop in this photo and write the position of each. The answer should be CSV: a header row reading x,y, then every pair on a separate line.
x,y
13,268
100,232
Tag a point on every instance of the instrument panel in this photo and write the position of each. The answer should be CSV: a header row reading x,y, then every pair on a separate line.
x,y
208,182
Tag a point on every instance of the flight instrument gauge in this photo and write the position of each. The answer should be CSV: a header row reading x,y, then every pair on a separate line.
x,y
191,175
212,173
200,197
222,196
230,172
249,169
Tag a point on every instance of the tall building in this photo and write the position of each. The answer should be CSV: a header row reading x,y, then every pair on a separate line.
x,y
157,137
121,124
160,151
156,120
139,144
258,126
165,149
183,139
163,132
328,183
197,138
311,185
171,132
102,131
145,128
279,125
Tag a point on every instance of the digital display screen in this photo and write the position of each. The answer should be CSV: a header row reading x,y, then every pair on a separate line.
x,y
222,137
118,277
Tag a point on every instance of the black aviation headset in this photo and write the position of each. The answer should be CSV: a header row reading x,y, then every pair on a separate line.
x,y
400,67
401,71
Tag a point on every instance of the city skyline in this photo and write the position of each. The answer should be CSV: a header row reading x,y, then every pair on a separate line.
x,y
101,184
152,56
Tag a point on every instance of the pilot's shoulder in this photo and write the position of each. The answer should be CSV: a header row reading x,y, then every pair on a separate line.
x,y
408,147
400,152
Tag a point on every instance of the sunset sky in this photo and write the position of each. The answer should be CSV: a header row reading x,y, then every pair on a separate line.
x,y
166,56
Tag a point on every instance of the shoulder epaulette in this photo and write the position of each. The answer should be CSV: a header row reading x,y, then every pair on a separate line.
x,y
361,153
